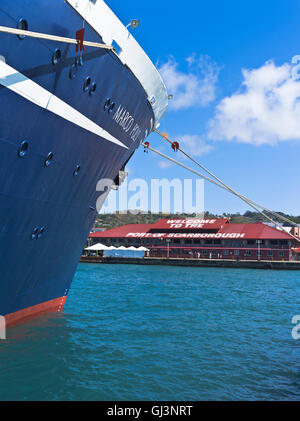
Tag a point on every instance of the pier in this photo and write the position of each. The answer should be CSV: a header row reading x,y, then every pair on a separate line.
x,y
238,264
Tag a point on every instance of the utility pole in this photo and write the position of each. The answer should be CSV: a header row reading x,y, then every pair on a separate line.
x,y
258,248
168,247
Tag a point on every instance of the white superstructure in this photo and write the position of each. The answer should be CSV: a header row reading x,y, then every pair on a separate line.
x,y
97,14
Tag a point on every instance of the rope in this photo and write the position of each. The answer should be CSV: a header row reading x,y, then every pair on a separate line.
x,y
56,38
219,185
248,201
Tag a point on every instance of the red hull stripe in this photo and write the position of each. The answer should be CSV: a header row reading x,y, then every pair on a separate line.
x,y
55,305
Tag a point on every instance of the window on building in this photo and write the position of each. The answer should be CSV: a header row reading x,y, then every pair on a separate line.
x,y
248,253
226,252
281,253
270,253
236,252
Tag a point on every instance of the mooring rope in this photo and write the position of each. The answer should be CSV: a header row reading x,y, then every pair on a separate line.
x,y
221,186
56,38
247,200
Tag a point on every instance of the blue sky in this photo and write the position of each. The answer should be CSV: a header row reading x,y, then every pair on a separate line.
x,y
242,124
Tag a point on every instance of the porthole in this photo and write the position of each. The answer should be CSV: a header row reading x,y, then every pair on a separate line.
x,y
41,232
111,107
87,83
23,25
116,47
48,159
73,71
34,233
107,104
77,169
152,100
23,149
93,88
56,56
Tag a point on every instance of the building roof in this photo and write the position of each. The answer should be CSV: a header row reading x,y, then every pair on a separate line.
x,y
256,231
123,231
222,227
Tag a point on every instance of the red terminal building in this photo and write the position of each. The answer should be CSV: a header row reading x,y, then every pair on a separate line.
x,y
204,239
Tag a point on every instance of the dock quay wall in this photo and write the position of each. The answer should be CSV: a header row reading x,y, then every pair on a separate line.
x,y
247,264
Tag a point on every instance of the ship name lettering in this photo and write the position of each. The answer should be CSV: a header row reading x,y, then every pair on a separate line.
x,y
125,120
136,131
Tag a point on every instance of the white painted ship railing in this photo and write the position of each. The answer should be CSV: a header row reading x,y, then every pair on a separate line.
x,y
100,17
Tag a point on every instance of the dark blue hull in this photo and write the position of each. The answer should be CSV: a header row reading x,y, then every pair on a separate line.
x,y
35,269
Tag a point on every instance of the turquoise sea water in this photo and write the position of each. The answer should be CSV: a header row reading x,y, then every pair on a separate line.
x,y
160,333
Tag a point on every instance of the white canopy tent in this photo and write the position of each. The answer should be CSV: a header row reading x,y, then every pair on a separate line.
x,y
97,247
123,252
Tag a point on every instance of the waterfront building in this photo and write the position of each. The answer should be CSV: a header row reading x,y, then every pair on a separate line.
x,y
203,239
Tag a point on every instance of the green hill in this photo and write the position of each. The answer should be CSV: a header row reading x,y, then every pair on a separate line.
x,y
112,220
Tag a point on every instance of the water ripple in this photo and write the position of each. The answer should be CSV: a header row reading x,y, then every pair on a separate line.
x,y
160,333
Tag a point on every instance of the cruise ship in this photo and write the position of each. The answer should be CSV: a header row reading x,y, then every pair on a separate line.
x,y
70,117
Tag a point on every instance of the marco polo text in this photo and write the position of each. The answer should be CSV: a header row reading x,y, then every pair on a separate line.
x,y
127,122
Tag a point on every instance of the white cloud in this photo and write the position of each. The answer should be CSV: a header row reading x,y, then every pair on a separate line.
x,y
194,145
164,164
195,87
265,111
